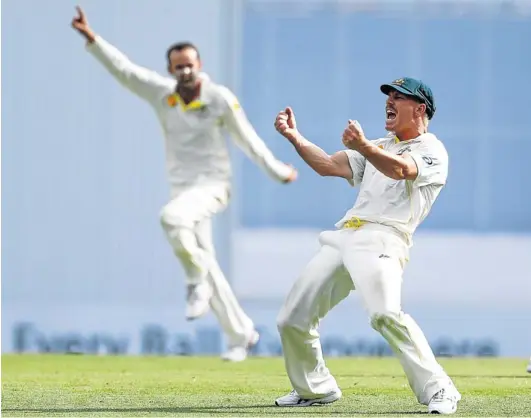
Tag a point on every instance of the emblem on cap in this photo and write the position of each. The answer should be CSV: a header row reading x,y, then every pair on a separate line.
x,y
398,82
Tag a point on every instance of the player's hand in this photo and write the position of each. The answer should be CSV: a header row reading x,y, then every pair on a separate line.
x,y
80,23
292,177
353,136
286,125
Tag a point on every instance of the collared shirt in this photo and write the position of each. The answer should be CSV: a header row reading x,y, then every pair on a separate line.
x,y
401,204
196,150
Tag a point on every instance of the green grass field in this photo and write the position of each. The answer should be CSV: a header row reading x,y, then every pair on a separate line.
x,y
54,385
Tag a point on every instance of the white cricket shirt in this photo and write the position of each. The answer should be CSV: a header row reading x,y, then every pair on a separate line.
x,y
196,150
401,204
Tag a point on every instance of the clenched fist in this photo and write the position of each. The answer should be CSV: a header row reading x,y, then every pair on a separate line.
x,y
80,24
353,136
286,125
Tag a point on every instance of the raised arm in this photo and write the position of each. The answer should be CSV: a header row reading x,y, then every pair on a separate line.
x,y
145,83
346,164
251,144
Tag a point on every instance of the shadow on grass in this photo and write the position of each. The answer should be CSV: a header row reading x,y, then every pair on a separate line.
x,y
229,410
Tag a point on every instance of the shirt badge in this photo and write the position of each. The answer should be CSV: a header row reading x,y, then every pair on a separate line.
x,y
171,100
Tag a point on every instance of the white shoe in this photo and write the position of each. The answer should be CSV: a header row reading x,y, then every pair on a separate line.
x,y
197,300
239,352
444,402
529,366
293,399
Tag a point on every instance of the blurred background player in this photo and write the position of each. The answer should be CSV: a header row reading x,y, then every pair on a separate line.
x,y
194,112
400,176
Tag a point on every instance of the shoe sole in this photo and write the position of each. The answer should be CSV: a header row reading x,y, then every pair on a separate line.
x,y
194,318
311,402
200,315
435,412
205,310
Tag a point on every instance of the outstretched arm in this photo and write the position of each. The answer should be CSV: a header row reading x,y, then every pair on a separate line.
x,y
145,83
251,144
336,165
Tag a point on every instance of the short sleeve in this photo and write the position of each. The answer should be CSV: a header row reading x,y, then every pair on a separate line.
x,y
357,165
431,159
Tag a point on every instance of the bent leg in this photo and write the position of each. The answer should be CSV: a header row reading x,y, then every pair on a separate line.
x,y
379,282
237,326
321,286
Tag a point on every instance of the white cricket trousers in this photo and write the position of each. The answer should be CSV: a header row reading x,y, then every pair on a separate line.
x,y
370,260
187,221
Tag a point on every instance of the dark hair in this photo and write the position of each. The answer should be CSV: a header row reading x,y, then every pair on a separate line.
x,y
180,46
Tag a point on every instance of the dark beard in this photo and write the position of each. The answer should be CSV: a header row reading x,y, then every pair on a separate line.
x,y
188,93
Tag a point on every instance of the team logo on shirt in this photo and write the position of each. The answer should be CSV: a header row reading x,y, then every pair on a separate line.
x,y
202,111
428,160
405,149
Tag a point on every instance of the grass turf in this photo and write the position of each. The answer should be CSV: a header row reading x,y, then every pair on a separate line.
x,y
69,385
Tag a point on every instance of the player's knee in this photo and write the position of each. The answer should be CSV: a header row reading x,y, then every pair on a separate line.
x,y
392,327
179,232
171,219
283,320
286,319
291,320
381,320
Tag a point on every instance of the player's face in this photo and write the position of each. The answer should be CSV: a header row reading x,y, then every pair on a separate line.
x,y
400,111
184,66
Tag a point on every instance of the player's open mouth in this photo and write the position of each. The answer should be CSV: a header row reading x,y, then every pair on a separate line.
x,y
390,114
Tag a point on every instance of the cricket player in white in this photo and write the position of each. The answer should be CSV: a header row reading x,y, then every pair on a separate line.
x,y
400,176
194,112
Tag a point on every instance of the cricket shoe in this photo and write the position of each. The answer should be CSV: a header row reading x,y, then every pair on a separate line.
x,y
293,399
444,402
238,353
529,366
197,300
